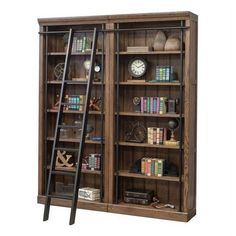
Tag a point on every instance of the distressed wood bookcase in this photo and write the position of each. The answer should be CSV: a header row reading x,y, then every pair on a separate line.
x,y
116,32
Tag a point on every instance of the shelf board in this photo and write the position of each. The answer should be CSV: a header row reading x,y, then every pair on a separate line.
x,y
124,83
130,144
126,173
74,140
168,115
150,53
73,53
75,112
73,169
73,82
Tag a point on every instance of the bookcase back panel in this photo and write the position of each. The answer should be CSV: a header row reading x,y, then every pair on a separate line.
x,y
165,192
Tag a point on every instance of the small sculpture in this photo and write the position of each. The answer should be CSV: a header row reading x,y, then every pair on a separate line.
x,y
159,41
95,104
173,125
63,159
172,44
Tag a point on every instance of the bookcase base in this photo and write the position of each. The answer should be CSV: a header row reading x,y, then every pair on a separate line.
x,y
124,208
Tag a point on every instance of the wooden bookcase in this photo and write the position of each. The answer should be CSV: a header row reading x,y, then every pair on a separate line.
x,y
116,32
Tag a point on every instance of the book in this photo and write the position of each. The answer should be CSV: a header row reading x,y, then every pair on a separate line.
x,y
160,167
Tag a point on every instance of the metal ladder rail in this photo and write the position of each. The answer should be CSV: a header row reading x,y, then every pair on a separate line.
x,y
83,133
58,121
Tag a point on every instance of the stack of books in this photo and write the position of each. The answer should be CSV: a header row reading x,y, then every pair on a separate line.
x,y
153,105
156,135
164,73
74,102
94,161
152,166
81,44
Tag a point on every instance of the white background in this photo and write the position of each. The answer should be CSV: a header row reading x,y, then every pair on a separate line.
x,y
21,215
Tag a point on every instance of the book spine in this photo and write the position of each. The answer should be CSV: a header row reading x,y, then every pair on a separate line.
x,y
155,105
142,104
148,173
158,105
143,160
151,104
145,104
160,167
81,107
154,135
161,135
158,136
148,105
156,167
165,134
152,167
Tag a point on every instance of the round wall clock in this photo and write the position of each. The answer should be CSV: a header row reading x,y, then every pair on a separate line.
x,y
137,67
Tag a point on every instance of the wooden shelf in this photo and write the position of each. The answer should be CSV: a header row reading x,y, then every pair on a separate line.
x,y
167,115
74,140
126,173
72,82
150,53
124,83
130,144
75,112
72,169
73,53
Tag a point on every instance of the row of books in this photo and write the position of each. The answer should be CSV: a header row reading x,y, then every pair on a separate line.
x,y
156,135
81,44
152,166
164,73
74,102
156,105
92,162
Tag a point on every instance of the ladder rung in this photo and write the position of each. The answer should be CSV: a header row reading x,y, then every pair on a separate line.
x,y
60,172
67,149
68,126
68,197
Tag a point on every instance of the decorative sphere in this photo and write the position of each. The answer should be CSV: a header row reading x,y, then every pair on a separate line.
x,y
173,124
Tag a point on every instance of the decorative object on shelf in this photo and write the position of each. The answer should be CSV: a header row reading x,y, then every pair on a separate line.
x,y
95,104
88,193
78,129
65,40
173,125
59,70
152,166
172,44
87,65
172,103
158,205
137,68
63,159
136,132
89,130
94,161
159,41
136,102
163,74
156,135
62,188
97,138
136,167
84,163
97,70
64,132
56,105
74,102
138,49
138,196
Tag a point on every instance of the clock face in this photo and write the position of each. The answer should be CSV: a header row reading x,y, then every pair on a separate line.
x,y
137,67
97,68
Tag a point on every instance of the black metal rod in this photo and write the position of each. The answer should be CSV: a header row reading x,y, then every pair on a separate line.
x,y
181,118
45,111
83,133
58,121
117,112
102,120
120,30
